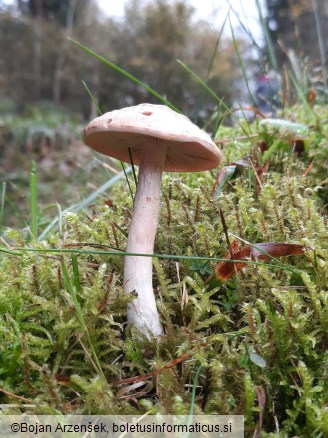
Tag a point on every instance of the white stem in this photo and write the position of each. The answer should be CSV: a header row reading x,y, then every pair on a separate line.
x,y
138,271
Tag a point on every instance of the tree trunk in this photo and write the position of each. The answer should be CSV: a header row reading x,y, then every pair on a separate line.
x,y
37,50
56,89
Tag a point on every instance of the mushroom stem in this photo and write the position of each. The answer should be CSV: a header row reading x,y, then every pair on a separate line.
x,y
142,312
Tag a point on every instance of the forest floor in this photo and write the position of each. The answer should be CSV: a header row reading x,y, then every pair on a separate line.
x,y
247,338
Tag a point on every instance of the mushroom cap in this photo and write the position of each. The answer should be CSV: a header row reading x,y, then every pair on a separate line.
x,y
189,149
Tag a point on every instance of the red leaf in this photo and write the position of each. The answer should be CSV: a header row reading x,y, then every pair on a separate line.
x,y
263,251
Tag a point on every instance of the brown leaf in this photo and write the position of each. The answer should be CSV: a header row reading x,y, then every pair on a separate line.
x,y
263,251
263,146
311,97
146,376
298,145
62,379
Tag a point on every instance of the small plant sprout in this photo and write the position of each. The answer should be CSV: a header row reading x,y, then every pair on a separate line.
x,y
157,139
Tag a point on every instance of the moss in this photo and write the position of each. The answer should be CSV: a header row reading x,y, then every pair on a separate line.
x,y
265,328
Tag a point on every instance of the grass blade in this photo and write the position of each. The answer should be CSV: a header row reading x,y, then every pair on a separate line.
x,y
76,273
193,392
127,179
126,74
241,63
2,205
53,226
33,201
210,66
308,110
78,311
92,97
19,251
244,27
133,168
267,154
269,45
218,99
321,44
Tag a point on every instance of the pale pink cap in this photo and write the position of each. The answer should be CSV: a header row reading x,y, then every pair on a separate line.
x,y
189,149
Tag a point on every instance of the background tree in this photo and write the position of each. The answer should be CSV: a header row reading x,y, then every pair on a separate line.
x,y
147,42
37,36
54,10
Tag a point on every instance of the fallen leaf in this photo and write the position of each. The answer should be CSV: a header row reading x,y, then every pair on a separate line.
x,y
259,251
284,125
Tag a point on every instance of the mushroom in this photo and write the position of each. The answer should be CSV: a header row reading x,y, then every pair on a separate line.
x,y
159,139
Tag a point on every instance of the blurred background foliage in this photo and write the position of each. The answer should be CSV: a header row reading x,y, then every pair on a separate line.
x,y
37,62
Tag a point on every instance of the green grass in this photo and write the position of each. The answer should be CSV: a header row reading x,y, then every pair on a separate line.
x,y
123,72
